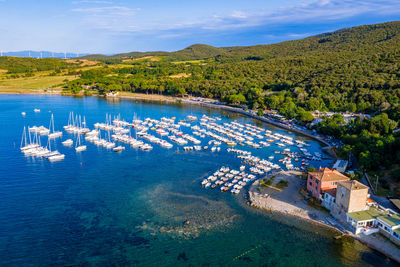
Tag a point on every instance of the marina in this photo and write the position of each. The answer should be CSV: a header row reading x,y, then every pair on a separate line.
x,y
214,135
148,199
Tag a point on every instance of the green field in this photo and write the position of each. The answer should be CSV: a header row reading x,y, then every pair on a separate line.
x,y
35,83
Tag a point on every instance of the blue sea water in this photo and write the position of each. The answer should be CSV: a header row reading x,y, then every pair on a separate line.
x,y
100,208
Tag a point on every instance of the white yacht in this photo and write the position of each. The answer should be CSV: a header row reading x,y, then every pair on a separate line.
x,y
24,143
79,147
68,142
52,133
118,148
146,147
56,157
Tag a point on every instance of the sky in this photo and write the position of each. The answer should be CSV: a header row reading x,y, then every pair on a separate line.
x,y
116,26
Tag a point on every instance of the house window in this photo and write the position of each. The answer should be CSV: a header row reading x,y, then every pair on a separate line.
x,y
316,181
310,183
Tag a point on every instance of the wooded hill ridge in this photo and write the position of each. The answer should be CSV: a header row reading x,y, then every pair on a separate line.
x,y
378,36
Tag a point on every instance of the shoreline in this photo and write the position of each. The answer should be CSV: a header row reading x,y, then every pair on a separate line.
x,y
257,200
289,204
171,99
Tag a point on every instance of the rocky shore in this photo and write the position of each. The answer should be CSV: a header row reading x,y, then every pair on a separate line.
x,y
290,202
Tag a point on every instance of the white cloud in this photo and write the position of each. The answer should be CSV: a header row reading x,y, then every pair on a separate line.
x,y
122,20
91,2
238,14
319,11
110,10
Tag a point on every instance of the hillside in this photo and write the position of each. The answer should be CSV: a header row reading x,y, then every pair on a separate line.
x,y
354,69
378,37
29,65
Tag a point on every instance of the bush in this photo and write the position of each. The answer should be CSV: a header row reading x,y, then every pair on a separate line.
x,y
282,184
265,182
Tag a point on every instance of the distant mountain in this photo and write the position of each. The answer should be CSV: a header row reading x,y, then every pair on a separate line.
x,y
377,37
40,54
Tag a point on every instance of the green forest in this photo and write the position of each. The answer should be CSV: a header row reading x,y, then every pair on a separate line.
x,y
354,69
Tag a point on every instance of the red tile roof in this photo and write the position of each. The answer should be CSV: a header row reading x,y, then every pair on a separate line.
x,y
328,175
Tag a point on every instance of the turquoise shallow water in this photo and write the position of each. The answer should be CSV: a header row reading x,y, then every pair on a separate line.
x,y
102,208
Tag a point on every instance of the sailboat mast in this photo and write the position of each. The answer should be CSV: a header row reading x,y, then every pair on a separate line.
x,y
29,133
52,118
23,135
38,139
78,144
49,144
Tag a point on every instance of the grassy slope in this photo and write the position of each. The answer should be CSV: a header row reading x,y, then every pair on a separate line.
x,y
42,80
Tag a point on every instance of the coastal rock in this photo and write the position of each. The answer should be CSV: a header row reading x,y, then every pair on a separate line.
x,y
185,215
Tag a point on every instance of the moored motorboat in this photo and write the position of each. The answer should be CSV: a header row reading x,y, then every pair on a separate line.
x,y
56,157
118,148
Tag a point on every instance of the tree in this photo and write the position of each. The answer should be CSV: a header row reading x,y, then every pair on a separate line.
x,y
304,116
114,87
181,91
351,107
236,99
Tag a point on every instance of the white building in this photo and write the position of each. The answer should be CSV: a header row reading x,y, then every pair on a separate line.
x,y
329,199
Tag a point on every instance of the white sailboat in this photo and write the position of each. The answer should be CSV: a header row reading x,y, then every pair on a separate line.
x,y
53,134
37,150
69,126
68,142
56,157
53,155
24,143
79,147
109,144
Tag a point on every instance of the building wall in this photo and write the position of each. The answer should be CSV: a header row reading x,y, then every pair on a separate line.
x,y
342,197
328,201
358,200
350,201
314,186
